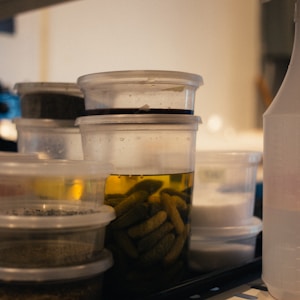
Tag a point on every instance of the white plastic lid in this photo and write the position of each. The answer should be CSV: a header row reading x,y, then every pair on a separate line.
x,y
225,233
104,262
53,214
69,88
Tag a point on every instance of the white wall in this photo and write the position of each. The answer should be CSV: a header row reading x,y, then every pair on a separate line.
x,y
218,39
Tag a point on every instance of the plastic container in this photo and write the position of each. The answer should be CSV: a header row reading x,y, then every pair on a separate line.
x,y
281,193
50,100
224,191
48,234
49,138
78,282
213,248
43,180
139,92
150,188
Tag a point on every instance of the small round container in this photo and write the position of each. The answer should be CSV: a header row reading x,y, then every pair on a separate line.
x,y
53,180
213,248
50,100
78,282
48,234
139,92
16,156
49,138
225,183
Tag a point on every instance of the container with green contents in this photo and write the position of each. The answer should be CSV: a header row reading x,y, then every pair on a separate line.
x,y
150,188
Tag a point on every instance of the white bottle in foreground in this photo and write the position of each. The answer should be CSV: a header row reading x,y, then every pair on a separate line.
x,y
281,198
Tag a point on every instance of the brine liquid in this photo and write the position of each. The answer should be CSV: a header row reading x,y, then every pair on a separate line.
x,y
281,253
149,236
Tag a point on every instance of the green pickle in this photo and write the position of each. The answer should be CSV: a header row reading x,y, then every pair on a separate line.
x,y
149,237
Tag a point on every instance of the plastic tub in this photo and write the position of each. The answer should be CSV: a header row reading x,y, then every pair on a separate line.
x,y
49,138
53,180
53,100
139,91
78,282
213,248
224,192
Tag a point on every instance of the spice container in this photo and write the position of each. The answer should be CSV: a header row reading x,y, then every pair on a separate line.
x,y
139,92
49,138
225,184
78,282
50,100
213,248
150,188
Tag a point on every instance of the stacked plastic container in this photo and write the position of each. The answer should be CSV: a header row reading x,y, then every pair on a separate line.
x,y
143,123
224,229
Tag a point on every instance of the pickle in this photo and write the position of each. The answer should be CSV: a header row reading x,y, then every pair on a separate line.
x,y
133,215
177,247
170,207
130,201
149,185
148,225
151,239
115,200
183,195
125,243
158,252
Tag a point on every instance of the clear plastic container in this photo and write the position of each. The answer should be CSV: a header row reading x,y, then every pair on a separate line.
x,y
150,188
281,193
78,282
53,180
50,100
213,248
224,189
49,138
139,91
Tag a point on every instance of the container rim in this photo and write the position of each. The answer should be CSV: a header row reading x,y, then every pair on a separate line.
x,y
55,167
203,234
75,272
138,119
225,157
139,77
23,88
100,217
34,122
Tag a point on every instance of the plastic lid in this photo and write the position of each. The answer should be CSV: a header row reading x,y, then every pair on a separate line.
x,y
53,214
139,119
23,88
61,273
140,77
232,157
220,233
28,122
55,167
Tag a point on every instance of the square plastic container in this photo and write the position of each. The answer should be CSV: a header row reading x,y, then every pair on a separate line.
x,y
50,100
139,91
49,138
213,248
78,282
224,188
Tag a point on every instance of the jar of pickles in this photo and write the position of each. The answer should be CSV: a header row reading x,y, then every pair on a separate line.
x,y
150,188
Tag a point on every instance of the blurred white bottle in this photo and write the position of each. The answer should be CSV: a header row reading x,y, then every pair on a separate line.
x,y
281,198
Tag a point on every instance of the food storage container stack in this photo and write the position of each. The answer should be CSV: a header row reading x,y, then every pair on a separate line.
x,y
143,123
224,229
48,113
52,228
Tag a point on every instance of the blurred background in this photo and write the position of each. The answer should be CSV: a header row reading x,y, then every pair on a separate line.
x,y
240,48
